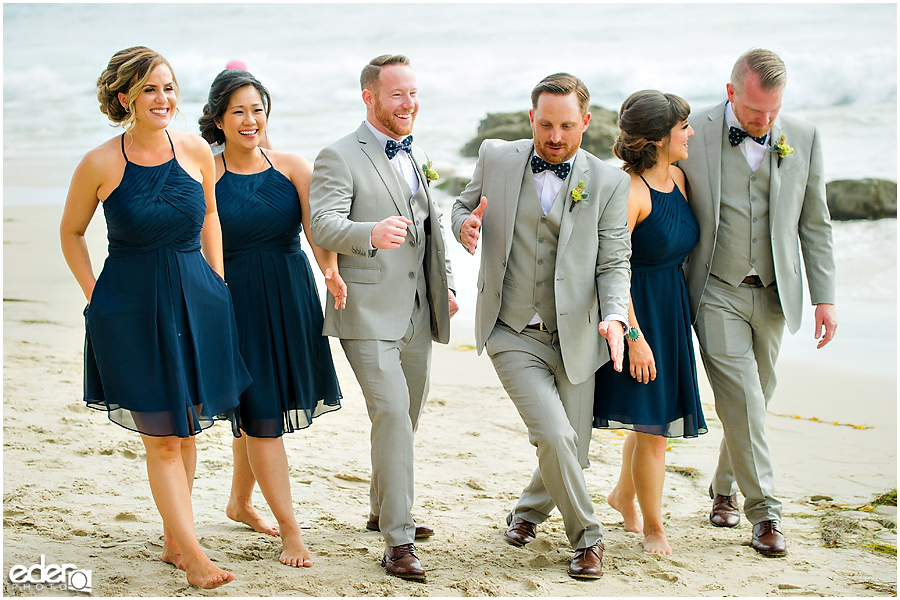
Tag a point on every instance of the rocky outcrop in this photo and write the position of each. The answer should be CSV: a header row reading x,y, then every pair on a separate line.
x,y
454,185
861,199
598,139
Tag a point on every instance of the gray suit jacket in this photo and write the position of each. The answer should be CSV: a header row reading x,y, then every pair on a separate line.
x,y
353,187
798,215
593,275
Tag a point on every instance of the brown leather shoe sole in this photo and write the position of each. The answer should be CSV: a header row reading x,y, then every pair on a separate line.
x,y
770,553
404,576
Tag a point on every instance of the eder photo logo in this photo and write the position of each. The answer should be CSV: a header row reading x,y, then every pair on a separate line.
x,y
54,577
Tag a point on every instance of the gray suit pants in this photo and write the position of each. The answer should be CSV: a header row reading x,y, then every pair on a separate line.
x,y
394,379
740,331
559,416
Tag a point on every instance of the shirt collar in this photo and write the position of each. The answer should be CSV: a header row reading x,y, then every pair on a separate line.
x,y
380,136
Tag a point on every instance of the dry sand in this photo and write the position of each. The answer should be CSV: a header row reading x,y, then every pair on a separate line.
x,y
75,486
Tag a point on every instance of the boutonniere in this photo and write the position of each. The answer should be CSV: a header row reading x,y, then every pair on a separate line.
x,y
578,194
781,148
430,174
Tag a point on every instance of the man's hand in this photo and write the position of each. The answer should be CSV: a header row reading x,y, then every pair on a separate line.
x,y
390,233
470,230
337,287
615,337
454,307
826,317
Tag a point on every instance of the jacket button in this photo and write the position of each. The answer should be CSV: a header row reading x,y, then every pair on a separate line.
x,y
412,275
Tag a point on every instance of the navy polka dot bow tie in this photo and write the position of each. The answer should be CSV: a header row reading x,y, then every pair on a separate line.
x,y
737,135
392,147
538,164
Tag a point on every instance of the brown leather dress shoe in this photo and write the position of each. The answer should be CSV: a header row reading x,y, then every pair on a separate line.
x,y
422,531
588,562
520,531
768,539
724,512
402,562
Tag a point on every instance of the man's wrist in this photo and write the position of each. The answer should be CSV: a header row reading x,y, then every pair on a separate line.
x,y
620,318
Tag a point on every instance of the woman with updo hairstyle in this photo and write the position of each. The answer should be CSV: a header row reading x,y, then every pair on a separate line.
x,y
656,394
161,352
263,199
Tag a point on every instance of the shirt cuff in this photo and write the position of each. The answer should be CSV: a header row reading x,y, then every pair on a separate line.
x,y
619,318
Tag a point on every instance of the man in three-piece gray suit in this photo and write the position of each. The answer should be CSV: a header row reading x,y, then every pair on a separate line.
x,y
554,260
371,203
755,183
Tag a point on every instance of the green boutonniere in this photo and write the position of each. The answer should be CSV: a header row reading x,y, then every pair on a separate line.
x,y
578,194
781,148
430,174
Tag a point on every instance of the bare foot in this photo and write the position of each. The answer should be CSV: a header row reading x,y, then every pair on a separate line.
x,y
295,553
248,515
655,543
629,511
172,554
206,575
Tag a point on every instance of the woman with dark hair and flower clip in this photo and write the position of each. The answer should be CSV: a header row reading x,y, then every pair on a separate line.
x,y
656,394
263,205
161,351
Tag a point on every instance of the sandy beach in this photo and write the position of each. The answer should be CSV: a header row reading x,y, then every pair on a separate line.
x,y
75,485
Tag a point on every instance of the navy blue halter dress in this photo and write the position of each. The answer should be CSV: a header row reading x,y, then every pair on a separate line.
x,y
670,405
161,351
276,304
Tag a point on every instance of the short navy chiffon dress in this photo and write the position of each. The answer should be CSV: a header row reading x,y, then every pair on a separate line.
x,y
276,303
161,349
670,405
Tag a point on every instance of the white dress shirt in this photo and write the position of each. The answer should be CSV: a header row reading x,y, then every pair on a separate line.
x,y
547,184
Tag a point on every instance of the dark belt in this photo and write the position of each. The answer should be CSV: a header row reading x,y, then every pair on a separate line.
x,y
753,281
539,326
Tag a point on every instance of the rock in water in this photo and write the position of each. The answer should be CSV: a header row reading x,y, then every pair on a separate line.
x,y
598,139
861,199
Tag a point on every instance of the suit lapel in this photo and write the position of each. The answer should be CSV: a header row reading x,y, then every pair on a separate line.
x,y
580,172
418,158
515,167
712,143
774,173
373,150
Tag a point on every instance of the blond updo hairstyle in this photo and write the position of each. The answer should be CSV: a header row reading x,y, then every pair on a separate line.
x,y
127,73
646,117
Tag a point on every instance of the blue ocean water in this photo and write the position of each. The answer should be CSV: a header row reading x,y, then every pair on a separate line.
x,y
469,60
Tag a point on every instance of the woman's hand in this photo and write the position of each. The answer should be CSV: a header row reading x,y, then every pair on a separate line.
x,y
640,357
337,287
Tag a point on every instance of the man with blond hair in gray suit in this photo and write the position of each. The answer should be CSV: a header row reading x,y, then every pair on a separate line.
x,y
552,294
755,183
370,201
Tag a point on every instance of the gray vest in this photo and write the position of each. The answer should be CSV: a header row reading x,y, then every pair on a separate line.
x,y
417,205
743,240
528,284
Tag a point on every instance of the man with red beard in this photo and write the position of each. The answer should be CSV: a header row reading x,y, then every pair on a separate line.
x,y
370,201
554,261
